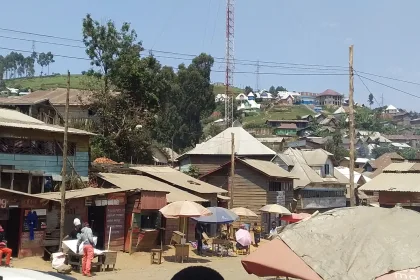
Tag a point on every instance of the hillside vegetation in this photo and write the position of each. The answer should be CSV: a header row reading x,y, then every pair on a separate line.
x,y
276,113
76,81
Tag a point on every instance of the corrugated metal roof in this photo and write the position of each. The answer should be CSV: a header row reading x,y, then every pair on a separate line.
x,y
58,96
245,144
139,182
394,182
17,100
179,178
271,139
268,168
403,167
86,192
17,192
15,119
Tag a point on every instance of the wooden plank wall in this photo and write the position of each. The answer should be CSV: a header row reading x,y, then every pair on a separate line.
x,y
250,191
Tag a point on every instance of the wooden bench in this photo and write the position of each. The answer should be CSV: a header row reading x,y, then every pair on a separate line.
x,y
156,256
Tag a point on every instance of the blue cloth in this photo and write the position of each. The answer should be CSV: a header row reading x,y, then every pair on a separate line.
x,y
32,222
220,216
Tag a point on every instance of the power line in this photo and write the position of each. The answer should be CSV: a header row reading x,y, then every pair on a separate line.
x,y
390,78
43,42
40,35
391,87
366,87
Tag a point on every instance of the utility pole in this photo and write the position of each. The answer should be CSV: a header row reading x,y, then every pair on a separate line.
x,y
232,171
351,131
64,171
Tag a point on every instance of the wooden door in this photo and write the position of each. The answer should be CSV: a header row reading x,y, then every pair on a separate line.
x,y
128,232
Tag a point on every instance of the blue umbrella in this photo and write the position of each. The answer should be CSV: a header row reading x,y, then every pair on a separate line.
x,y
220,216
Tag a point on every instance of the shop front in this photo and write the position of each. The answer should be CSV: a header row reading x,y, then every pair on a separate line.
x,y
23,219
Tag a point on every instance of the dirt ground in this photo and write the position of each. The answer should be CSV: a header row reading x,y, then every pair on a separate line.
x,y
138,264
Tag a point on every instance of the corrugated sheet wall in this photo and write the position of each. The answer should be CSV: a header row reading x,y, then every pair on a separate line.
x,y
48,164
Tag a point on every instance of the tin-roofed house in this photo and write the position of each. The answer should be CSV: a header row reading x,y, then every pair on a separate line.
x,y
317,188
256,184
397,184
213,153
31,152
182,181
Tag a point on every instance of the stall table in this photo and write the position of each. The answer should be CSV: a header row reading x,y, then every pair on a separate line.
x,y
181,251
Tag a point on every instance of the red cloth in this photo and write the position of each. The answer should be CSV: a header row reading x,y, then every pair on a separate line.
x,y
8,253
87,259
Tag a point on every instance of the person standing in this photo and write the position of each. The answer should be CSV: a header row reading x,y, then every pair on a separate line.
x,y
86,238
257,234
3,247
199,237
73,235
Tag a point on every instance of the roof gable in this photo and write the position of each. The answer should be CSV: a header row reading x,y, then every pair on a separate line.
x,y
245,144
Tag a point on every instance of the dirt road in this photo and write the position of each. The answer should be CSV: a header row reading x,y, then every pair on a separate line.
x,y
137,266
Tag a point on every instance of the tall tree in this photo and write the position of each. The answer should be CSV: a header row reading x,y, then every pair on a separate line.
x,y
272,90
42,60
248,89
280,88
49,58
370,99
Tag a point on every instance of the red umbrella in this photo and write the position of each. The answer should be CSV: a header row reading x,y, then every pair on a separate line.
x,y
295,217
275,258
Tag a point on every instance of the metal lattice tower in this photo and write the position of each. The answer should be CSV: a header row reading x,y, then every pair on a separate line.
x,y
230,38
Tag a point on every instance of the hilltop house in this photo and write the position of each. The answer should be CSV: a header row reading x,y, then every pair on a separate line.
x,y
392,110
78,103
298,123
329,97
376,166
285,129
213,153
308,98
317,188
257,183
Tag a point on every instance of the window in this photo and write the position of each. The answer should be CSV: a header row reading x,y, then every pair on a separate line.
x,y
326,169
280,186
34,147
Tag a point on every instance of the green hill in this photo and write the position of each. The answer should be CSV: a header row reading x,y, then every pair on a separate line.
x,y
76,81
276,113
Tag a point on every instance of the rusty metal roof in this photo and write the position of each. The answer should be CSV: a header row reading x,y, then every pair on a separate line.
x,y
127,182
394,182
58,96
268,168
15,119
179,178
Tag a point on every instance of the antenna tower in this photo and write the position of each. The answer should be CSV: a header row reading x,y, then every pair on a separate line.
x,y
230,38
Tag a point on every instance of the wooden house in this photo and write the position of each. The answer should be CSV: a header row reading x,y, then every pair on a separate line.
x,y
31,152
256,183
317,188
215,152
397,184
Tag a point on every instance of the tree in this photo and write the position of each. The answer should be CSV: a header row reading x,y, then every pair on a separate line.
x,y
335,146
124,119
248,89
272,90
42,60
280,88
370,99
49,58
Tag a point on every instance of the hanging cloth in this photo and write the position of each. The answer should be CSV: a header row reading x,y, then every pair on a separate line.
x,y
32,222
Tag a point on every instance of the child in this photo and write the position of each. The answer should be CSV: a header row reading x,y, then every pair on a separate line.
x,y
257,234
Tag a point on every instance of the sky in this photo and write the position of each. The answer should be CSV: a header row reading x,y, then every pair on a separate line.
x,y
383,32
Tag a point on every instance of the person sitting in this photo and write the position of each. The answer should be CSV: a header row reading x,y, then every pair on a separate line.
x,y
3,247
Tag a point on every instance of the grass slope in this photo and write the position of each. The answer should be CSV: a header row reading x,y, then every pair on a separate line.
x,y
277,113
49,82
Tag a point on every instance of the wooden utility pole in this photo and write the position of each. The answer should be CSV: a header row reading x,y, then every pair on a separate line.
x,y
351,129
232,171
63,172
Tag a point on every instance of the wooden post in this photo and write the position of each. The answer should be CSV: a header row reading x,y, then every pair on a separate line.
x,y
12,180
30,182
63,172
351,128
232,171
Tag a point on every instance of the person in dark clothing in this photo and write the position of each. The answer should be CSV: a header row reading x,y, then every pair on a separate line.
x,y
199,229
75,231
197,272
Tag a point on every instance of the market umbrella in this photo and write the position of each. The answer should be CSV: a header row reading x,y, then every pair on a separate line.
x,y
243,237
243,212
295,217
380,243
276,259
219,215
184,209
275,208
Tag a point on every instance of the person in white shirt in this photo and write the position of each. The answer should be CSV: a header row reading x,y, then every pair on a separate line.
x,y
273,228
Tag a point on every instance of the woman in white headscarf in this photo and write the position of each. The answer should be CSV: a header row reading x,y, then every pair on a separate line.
x,y
74,234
